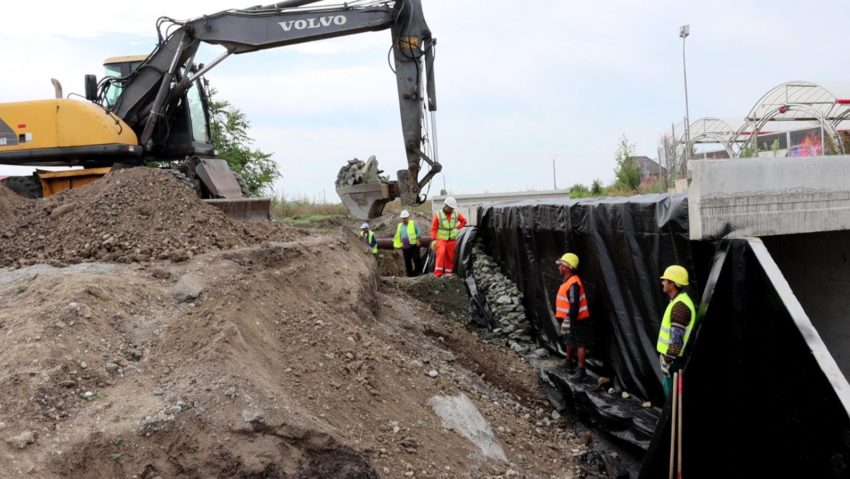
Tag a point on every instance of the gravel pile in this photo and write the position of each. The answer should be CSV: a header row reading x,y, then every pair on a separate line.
x,y
505,301
130,215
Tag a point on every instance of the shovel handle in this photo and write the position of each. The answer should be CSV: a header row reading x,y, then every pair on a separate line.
x,y
679,428
674,412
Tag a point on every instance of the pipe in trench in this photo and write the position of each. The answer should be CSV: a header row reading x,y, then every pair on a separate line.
x,y
387,243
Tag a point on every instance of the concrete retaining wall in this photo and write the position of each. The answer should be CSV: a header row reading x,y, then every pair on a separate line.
x,y
768,196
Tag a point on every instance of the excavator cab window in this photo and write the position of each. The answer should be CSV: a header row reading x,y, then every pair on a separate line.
x,y
114,89
198,114
118,67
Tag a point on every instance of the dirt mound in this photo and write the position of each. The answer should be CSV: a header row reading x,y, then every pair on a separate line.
x,y
9,204
279,360
130,215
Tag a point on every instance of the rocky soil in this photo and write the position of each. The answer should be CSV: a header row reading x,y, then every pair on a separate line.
x,y
259,353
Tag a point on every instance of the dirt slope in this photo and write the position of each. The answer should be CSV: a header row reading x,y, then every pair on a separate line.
x,y
279,360
176,343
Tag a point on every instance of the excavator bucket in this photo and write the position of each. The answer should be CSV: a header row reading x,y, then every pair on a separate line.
x,y
363,190
366,201
251,209
221,181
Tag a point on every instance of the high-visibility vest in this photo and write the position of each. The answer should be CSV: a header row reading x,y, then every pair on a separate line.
x,y
664,334
369,240
411,234
448,227
562,301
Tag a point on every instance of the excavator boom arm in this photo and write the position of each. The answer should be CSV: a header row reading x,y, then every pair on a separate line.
x,y
163,77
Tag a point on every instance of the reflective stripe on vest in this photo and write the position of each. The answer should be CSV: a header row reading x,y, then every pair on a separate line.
x,y
666,324
369,240
447,227
411,234
562,300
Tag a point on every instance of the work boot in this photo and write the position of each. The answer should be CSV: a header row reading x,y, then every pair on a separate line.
x,y
581,375
571,365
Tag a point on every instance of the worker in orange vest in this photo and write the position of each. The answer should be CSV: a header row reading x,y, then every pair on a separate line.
x,y
444,230
572,313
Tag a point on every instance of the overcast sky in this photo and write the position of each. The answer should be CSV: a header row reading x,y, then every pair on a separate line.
x,y
518,83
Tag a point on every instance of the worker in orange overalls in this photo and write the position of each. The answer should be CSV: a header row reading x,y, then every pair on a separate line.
x,y
444,230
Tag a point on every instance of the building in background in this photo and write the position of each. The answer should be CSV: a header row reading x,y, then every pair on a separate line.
x,y
650,170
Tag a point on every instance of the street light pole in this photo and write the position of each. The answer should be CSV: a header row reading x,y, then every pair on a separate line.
x,y
554,180
684,31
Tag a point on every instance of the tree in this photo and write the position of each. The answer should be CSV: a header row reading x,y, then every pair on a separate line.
x,y
229,136
627,172
749,150
667,153
596,187
775,147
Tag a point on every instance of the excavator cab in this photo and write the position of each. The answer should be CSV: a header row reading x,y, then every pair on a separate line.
x,y
188,137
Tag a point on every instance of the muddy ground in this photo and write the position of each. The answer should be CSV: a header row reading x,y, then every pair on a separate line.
x,y
281,357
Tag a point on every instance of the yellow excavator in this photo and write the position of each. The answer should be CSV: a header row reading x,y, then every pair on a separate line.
x,y
154,109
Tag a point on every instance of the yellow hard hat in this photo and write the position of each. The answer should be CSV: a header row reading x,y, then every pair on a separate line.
x,y
676,274
570,260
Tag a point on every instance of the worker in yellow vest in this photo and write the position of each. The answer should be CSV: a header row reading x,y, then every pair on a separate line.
x,y
679,320
369,237
572,313
406,239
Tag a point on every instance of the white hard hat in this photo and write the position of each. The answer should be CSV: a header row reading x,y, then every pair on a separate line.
x,y
451,202
364,225
405,214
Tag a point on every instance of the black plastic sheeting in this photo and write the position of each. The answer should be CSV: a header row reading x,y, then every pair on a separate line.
x,y
623,245
762,396
817,267
625,419
466,238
